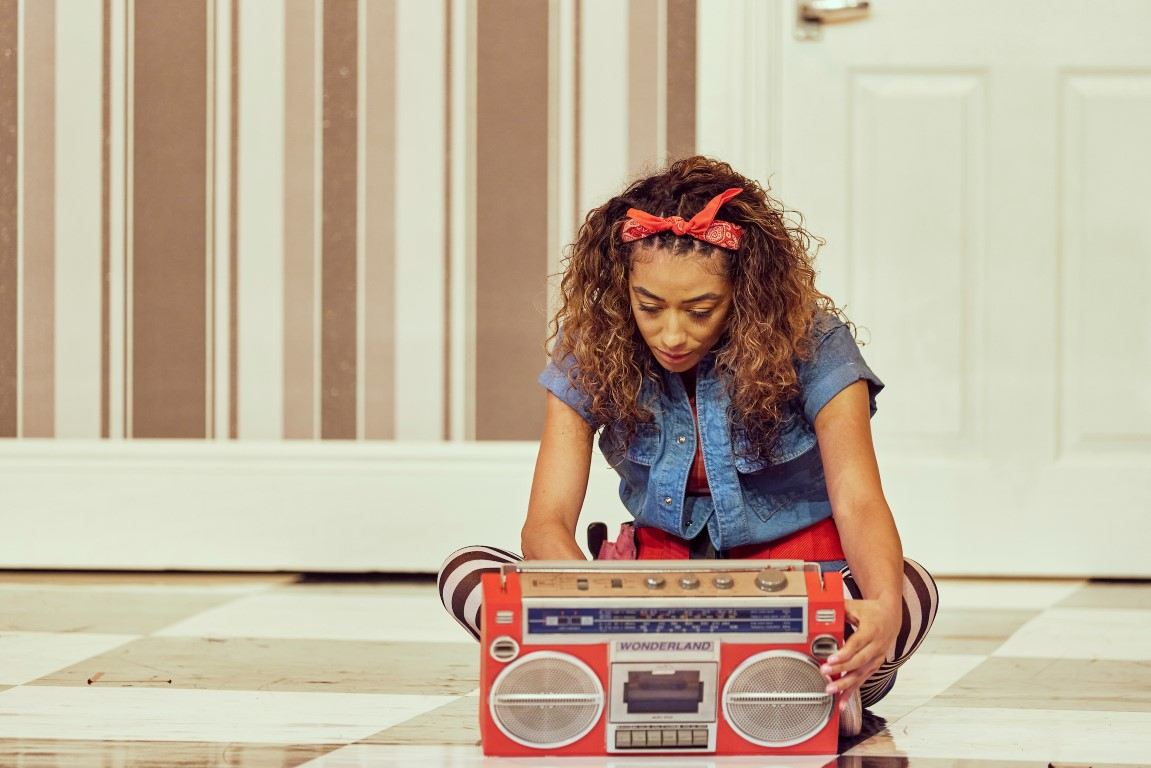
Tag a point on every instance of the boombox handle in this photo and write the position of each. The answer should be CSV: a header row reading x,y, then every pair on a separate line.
x,y
656,566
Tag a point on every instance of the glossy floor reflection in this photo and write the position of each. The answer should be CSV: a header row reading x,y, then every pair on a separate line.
x,y
287,671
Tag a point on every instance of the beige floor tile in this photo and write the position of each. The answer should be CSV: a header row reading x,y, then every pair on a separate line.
x,y
29,609
51,753
135,579
973,631
1111,594
220,716
380,614
1060,737
1082,685
1082,633
454,723
251,664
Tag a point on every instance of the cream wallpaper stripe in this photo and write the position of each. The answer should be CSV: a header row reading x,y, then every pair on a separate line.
x,y
79,278
338,289
233,162
9,219
170,245
645,86
37,235
417,295
604,90
259,122
300,225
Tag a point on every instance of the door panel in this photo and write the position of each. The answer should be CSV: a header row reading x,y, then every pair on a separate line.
x,y
981,174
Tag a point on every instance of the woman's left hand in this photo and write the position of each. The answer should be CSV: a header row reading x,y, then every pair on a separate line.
x,y
877,626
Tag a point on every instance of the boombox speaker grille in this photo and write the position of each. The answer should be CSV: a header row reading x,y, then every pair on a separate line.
x,y
546,699
777,698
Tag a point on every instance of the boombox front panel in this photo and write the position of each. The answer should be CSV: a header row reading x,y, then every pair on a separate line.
x,y
696,680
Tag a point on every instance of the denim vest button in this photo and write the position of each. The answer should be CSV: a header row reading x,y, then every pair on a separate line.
x,y
667,500
680,439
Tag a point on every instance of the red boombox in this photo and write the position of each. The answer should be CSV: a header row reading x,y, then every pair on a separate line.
x,y
659,657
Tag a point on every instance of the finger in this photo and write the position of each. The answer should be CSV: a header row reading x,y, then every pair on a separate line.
x,y
863,665
848,683
858,651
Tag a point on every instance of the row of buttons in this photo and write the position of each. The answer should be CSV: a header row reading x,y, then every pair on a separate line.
x,y
662,738
768,580
721,581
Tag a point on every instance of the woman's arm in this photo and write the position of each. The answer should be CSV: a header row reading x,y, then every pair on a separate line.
x,y
867,530
558,486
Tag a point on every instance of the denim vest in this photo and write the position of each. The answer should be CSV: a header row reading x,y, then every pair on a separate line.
x,y
753,501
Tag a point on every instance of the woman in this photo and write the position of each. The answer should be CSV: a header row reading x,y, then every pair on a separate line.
x,y
731,398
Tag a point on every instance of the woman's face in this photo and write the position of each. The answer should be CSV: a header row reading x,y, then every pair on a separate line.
x,y
681,304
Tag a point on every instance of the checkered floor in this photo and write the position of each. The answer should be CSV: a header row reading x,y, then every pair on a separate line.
x,y
239,670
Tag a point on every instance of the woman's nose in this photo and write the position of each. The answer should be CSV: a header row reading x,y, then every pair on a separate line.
x,y
673,334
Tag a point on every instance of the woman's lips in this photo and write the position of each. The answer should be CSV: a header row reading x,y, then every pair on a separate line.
x,y
673,359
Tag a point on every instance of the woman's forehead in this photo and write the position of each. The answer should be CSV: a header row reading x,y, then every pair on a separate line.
x,y
679,275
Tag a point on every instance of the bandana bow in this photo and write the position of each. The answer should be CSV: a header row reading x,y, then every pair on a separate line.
x,y
703,226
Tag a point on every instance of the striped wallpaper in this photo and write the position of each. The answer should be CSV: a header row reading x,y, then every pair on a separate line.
x,y
309,219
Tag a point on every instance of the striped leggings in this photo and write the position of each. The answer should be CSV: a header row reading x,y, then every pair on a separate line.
x,y
461,594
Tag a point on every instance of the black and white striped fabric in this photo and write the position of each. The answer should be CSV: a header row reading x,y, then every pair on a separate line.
x,y
461,594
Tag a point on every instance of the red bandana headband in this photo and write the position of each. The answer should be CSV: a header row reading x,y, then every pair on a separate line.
x,y
702,226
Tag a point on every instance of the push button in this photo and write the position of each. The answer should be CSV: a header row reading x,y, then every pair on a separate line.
x,y
667,500
680,439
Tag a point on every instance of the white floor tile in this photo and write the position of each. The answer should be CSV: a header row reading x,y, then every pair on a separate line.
x,y
923,677
149,714
1005,594
410,618
1010,734
26,656
380,756
1082,633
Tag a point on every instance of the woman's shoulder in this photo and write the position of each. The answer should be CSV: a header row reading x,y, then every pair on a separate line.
x,y
835,362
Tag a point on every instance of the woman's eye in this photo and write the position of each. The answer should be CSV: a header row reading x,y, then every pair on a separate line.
x,y
648,308
701,314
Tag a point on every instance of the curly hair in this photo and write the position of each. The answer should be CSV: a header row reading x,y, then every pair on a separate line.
x,y
769,329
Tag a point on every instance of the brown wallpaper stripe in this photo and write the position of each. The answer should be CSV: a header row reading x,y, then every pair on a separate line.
x,y
681,62
379,168
299,220
39,226
643,84
338,287
9,241
169,314
511,216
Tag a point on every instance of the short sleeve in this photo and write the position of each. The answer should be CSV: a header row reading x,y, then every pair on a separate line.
x,y
555,380
836,363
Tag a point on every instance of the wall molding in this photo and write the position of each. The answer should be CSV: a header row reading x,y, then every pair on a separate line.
x,y
265,506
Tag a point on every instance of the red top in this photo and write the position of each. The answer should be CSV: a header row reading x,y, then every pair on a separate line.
x,y
697,474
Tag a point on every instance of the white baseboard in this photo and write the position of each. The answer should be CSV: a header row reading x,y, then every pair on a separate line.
x,y
255,506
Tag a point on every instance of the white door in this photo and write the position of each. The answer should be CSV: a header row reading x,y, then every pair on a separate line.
x,y
981,172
